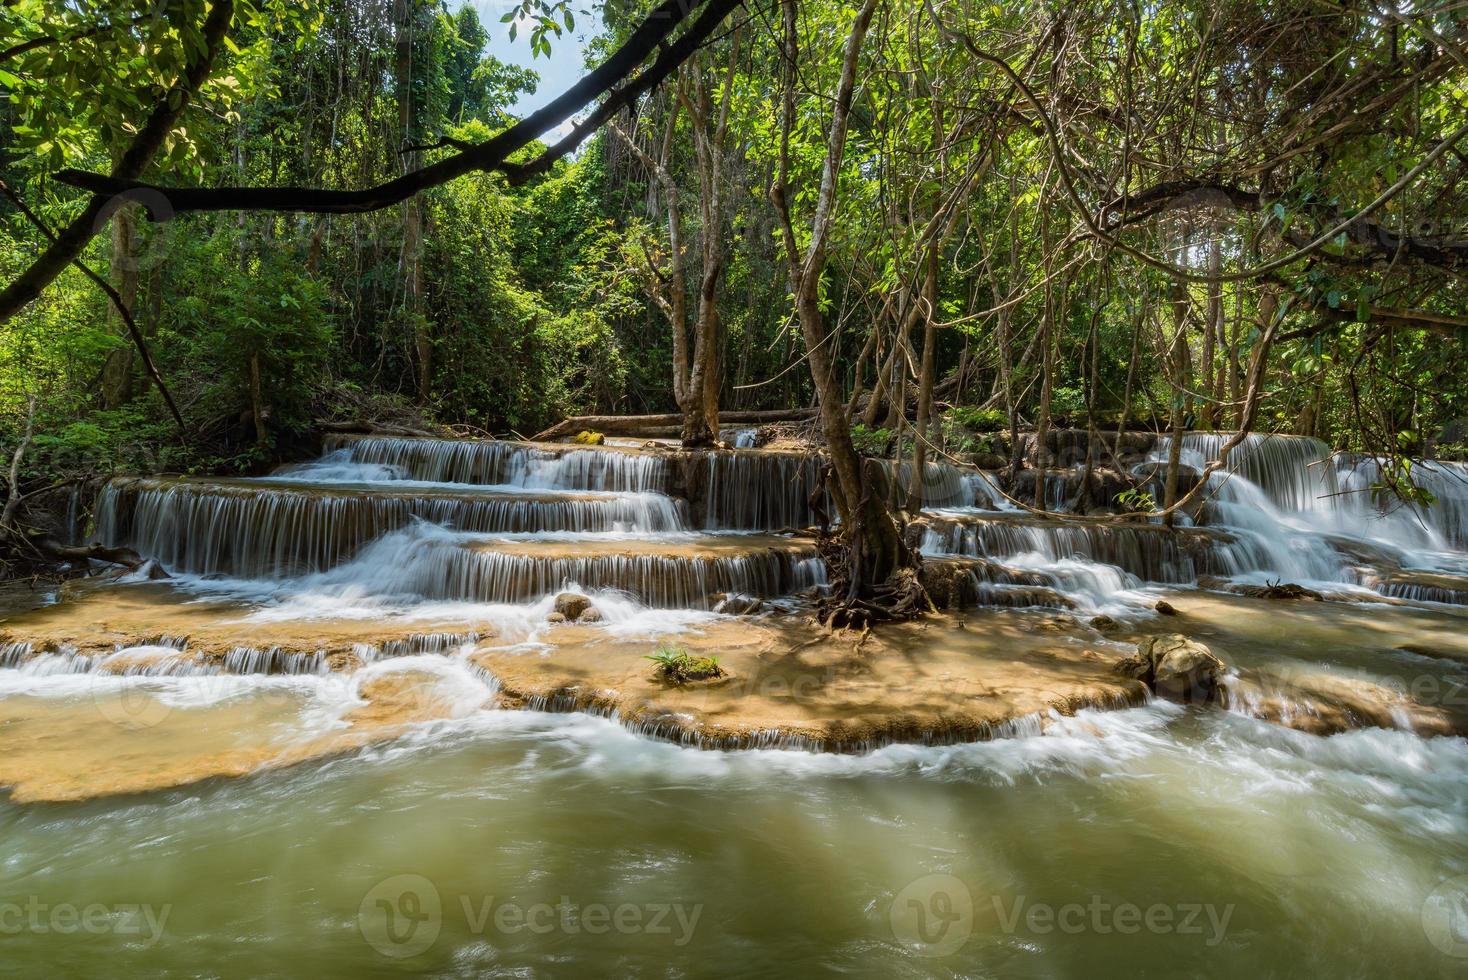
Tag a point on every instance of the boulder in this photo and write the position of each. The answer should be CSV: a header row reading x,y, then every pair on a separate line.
x,y
1104,623
1176,668
572,604
737,605
1165,608
590,614
556,617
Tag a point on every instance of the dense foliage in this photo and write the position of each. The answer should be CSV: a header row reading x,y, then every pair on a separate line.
x,y
1080,213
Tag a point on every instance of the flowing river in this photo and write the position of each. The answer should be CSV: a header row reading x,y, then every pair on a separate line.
x,y
313,766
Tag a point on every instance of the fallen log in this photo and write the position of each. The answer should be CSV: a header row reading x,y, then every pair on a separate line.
x,y
51,548
631,425
360,427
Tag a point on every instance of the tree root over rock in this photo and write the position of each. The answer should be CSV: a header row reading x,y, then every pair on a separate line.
x,y
849,607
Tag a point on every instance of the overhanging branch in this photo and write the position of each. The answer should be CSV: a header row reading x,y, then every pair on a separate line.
x,y
493,154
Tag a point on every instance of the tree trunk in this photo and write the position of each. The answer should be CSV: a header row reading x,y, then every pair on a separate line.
x,y
117,371
1176,356
875,550
1212,330
257,404
1047,361
405,13
920,433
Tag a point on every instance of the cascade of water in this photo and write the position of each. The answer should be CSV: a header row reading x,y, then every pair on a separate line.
x,y
760,491
1290,491
1290,470
172,657
1150,553
338,466
260,529
490,462
435,564
740,438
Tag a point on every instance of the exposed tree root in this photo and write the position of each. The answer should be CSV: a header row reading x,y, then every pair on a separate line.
x,y
900,597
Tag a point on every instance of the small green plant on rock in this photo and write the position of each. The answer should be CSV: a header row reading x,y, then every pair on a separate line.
x,y
677,665
1136,501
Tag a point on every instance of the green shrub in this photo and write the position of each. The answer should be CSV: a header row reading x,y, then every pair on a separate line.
x,y
978,419
677,665
870,442
1068,400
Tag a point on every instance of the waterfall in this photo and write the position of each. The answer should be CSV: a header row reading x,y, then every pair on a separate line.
x,y
485,521
268,528
1294,486
1148,552
434,564
740,438
495,463
761,491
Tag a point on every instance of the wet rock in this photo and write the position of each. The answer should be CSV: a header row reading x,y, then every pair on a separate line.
x,y
1136,667
1025,597
1104,623
1419,586
737,605
151,570
1165,608
1431,653
590,614
1279,590
1184,669
588,438
1176,668
947,583
572,604
556,617
1324,704
1058,624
